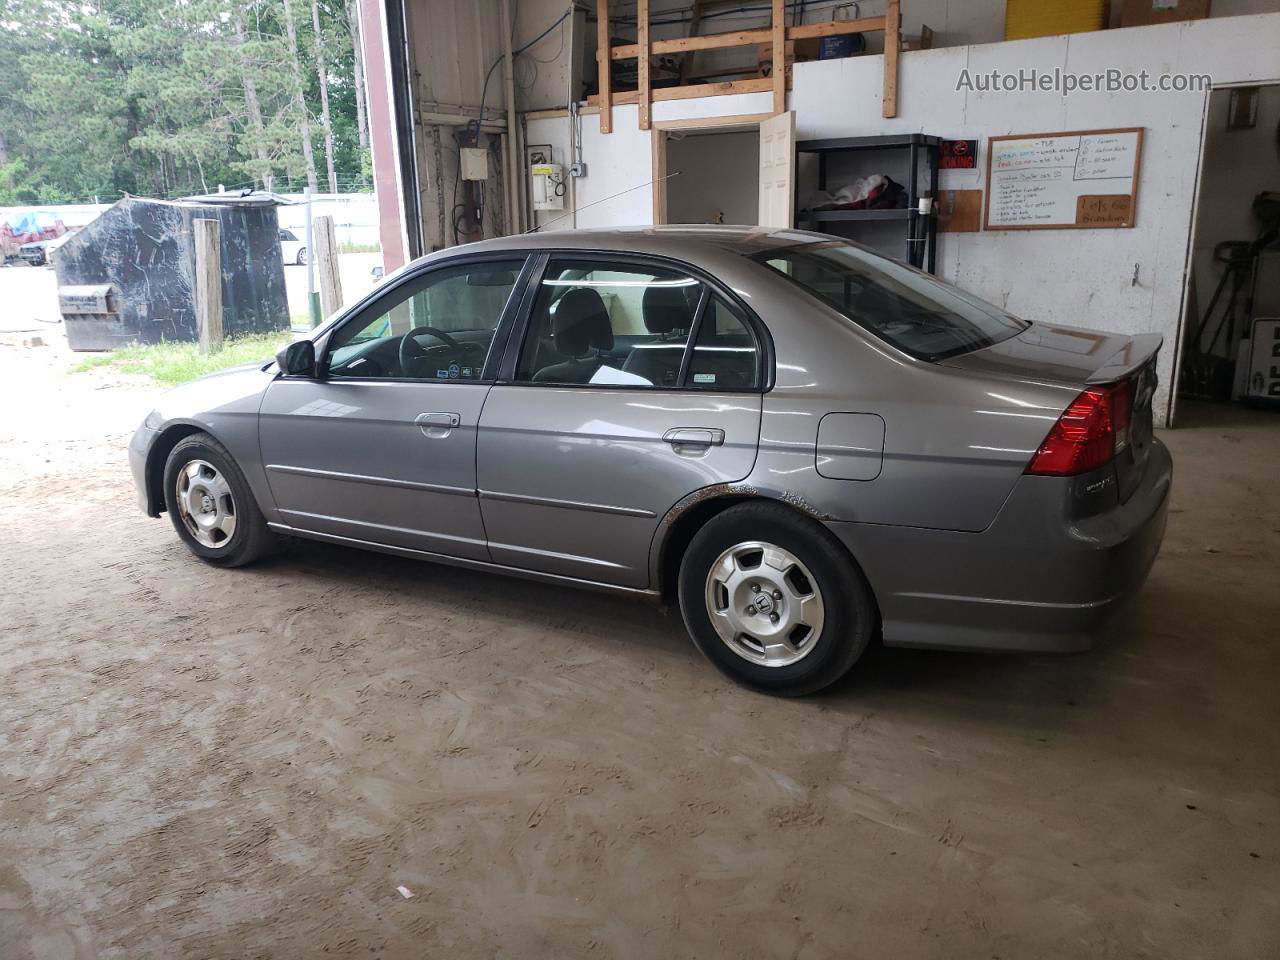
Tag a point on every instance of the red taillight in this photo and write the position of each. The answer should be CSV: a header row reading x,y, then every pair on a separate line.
x,y
1092,430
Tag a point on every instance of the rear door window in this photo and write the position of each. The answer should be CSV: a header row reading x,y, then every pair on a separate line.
x,y
724,354
910,309
608,323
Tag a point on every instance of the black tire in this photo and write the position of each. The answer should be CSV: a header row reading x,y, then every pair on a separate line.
x,y
301,258
251,537
850,615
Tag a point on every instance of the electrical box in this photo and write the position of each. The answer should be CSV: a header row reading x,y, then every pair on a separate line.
x,y
548,186
475,163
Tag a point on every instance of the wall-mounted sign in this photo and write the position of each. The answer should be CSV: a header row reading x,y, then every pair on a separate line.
x,y
958,155
1079,179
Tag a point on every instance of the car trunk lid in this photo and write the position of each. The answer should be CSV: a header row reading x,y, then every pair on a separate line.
x,y
1084,358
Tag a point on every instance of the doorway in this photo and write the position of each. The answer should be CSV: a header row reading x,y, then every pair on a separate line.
x,y
712,174
1231,320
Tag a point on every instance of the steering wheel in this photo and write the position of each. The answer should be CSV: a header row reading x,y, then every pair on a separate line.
x,y
411,351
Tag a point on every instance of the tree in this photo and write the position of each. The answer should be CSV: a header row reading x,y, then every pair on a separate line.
x,y
100,97
322,76
296,67
357,56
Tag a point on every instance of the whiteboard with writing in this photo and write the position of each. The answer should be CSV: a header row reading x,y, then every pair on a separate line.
x,y
1086,179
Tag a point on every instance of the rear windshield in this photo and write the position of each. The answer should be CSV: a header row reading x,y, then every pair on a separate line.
x,y
907,307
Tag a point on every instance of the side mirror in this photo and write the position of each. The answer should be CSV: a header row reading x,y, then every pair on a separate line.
x,y
298,359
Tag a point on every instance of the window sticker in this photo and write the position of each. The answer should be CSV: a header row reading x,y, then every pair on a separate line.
x,y
704,378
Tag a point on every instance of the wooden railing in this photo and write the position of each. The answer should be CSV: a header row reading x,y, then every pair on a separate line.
x,y
776,34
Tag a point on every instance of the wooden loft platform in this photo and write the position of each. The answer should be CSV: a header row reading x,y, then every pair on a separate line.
x,y
776,35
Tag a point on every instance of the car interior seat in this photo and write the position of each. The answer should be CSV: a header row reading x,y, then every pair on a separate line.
x,y
668,315
579,325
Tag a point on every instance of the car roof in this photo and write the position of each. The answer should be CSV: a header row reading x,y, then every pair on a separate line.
x,y
686,242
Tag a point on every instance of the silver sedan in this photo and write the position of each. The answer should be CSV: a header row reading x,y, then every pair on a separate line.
x,y
803,445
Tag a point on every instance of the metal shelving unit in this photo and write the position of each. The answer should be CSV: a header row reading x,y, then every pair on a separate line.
x,y
922,229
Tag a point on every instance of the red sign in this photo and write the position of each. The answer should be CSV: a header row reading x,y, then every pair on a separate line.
x,y
958,155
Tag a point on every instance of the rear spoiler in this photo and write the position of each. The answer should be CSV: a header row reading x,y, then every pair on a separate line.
x,y
1128,358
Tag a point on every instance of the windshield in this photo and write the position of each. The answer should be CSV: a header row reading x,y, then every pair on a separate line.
x,y
907,307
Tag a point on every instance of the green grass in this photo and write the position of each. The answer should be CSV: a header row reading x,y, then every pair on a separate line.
x,y
174,363
359,248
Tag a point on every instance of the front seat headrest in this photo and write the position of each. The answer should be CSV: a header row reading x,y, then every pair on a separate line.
x,y
581,323
667,308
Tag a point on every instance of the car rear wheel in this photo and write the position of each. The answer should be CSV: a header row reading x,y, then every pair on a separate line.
x,y
774,601
302,257
211,506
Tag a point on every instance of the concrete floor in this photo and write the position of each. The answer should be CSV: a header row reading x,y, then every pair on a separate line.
x,y
233,764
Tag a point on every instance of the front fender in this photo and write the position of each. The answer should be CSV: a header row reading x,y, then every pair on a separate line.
x,y
225,406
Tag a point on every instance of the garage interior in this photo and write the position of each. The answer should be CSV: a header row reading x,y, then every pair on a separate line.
x,y
342,754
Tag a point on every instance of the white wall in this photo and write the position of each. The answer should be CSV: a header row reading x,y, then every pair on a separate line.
x,y
954,23
617,189
714,175
1238,165
1127,280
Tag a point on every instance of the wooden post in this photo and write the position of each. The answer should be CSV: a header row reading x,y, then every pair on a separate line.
x,y
892,44
642,41
327,266
658,146
779,75
604,60
208,285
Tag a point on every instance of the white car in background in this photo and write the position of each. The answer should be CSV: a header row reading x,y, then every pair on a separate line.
x,y
292,250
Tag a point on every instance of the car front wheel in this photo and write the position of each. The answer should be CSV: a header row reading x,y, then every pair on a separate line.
x,y
774,601
211,506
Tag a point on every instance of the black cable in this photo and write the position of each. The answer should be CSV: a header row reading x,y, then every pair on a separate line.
x,y
484,92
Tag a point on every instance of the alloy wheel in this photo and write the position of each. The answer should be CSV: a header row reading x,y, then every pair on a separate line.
x,y
205,504
764,604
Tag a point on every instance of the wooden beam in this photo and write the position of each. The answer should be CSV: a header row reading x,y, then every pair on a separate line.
x,y
892,45
778,73
708,123
712,41
604,65
833,28
658,171
642,36
754,85
744,38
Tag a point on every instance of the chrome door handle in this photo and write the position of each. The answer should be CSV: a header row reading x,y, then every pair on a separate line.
x,y
437,424
694,437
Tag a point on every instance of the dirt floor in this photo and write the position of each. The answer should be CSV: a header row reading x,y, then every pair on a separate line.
x,y
246,764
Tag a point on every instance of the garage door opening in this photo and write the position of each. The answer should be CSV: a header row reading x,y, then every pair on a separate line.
x,y
713,175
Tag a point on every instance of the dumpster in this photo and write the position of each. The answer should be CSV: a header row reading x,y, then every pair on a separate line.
x,y
129,276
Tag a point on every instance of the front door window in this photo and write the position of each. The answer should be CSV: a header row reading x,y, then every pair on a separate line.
x,y
438,326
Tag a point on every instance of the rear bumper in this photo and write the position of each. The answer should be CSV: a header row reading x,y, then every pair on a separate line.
x,y
1035,580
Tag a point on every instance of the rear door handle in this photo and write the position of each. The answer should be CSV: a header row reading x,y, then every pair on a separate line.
x,y
437,424
694,437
